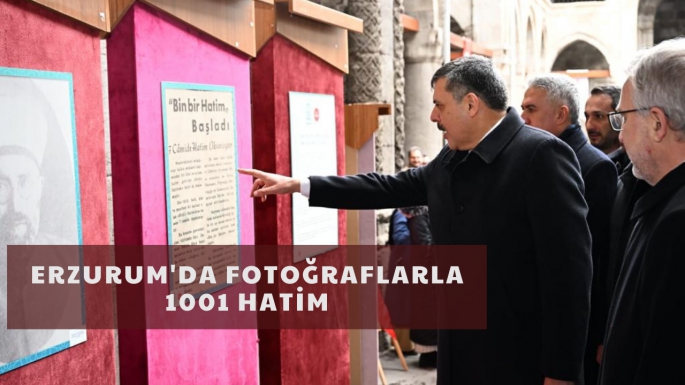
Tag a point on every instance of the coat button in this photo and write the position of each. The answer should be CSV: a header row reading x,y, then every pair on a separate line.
x,y
460,209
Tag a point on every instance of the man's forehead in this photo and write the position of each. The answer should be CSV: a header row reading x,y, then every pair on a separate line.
x,y
17,164
599,99
534,96
626,93
598,105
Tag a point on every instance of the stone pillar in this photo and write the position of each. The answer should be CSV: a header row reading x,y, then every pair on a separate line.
x,y
423,56
497,31
645,22
371,77
371,70
399,97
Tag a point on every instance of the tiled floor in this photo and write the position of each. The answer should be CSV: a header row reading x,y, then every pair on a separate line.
x,y
395,374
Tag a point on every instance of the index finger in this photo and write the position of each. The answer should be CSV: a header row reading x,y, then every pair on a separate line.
x,y
252,172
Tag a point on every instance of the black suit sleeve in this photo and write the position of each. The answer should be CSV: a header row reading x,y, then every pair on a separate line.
x,y
557,211
600,190
370,191
662,305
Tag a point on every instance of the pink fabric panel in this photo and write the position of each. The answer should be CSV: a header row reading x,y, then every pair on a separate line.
x,y
33,37
150,47
167,50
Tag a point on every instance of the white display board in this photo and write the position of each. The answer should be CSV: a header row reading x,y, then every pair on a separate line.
x,y
313,151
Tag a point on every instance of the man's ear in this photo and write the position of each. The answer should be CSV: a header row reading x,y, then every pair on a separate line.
x,y
473,104
659,124
562,114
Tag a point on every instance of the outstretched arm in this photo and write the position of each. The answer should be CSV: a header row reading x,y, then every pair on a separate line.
x,y
357,192
268,184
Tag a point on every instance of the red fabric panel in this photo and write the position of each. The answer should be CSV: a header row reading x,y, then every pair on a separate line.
x,y
34,37
123,107
297,357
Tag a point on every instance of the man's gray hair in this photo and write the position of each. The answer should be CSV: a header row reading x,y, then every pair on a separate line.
x,y
560,89
658,79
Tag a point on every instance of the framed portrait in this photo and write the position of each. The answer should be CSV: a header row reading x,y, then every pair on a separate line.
x,y
39,193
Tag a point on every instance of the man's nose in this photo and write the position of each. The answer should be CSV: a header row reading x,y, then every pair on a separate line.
x,y
434,116
14,201
525,118
590,124
620,136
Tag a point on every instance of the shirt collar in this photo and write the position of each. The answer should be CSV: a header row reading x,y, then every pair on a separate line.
x,y
499,136
574,137
492,128
495,139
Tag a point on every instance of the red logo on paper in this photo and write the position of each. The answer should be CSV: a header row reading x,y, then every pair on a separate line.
x,y
316,114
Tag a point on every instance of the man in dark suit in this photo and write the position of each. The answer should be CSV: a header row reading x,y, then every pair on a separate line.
x,y
551,103
602,101
498,183
645,334
628,192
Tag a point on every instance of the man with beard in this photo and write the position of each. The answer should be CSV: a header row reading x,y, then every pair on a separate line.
x,y
415,156
24,122
602,101
645,334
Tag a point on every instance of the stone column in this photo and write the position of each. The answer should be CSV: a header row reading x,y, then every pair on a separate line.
x,y
399,99
423,56
371,76
645,22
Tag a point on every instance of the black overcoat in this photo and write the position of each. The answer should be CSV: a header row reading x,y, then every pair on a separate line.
x,y
646,329
520,193
600,177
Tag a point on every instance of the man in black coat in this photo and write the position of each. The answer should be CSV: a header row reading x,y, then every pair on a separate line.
x,y
506,185
628,192
602,101
645,333
551,103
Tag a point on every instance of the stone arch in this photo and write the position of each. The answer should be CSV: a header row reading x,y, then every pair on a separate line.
x,y
568,41
530,49
646,12
580,55
519,42
669,21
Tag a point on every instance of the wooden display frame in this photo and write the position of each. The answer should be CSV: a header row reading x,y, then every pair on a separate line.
x,y
459,42
410,24
230,21
317,29
361,121
92,12
589,74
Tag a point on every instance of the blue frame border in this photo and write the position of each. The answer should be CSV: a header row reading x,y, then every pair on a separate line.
x,y
196,87
66,76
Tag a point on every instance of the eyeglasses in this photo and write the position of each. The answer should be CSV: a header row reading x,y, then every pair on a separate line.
x,y
27,188
616,119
